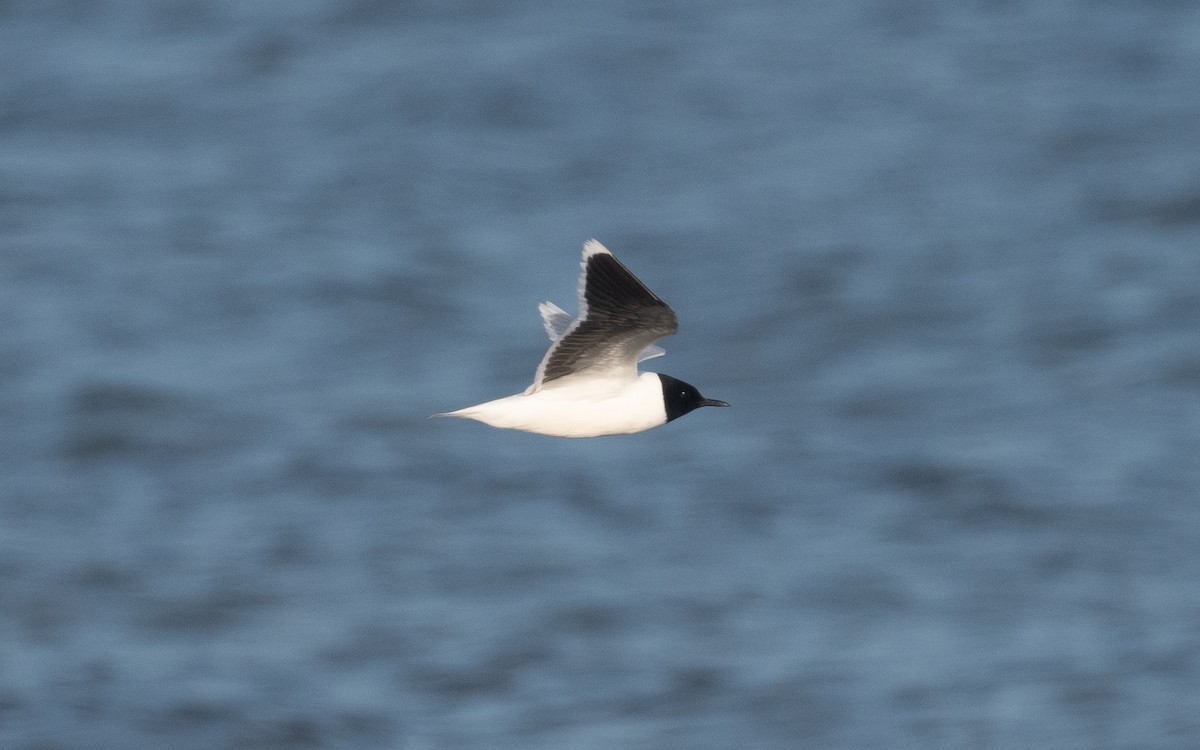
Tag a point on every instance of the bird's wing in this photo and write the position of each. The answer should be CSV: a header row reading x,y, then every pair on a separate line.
x,y
618,319
650,352
557,320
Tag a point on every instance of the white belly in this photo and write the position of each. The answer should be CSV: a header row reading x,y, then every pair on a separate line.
x,y
578,410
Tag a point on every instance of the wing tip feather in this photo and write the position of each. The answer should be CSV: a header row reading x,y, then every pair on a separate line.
x,y
593,247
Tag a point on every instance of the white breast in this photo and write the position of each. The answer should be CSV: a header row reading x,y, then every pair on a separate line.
x,y
585,408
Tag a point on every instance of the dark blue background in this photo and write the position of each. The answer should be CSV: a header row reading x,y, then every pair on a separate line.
x,y
943,258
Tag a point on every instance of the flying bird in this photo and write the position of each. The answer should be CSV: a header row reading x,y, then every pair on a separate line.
x,y
588,384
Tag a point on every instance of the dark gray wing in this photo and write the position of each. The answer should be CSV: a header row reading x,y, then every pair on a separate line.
x,y
557,322
618,318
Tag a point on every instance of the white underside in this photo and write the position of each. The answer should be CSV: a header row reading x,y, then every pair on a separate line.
x,y
577,408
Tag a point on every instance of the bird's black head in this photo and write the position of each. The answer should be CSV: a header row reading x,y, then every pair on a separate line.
x,y
679,397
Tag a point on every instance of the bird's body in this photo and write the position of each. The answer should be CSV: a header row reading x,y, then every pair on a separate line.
x,y
588,384
591,410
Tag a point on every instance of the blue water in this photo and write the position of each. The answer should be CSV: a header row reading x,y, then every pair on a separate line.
x,y
943,258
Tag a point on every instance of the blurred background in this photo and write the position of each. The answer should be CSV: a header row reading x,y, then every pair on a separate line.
x,y
943,258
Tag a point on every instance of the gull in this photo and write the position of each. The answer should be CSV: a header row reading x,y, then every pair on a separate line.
x,y
588,384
